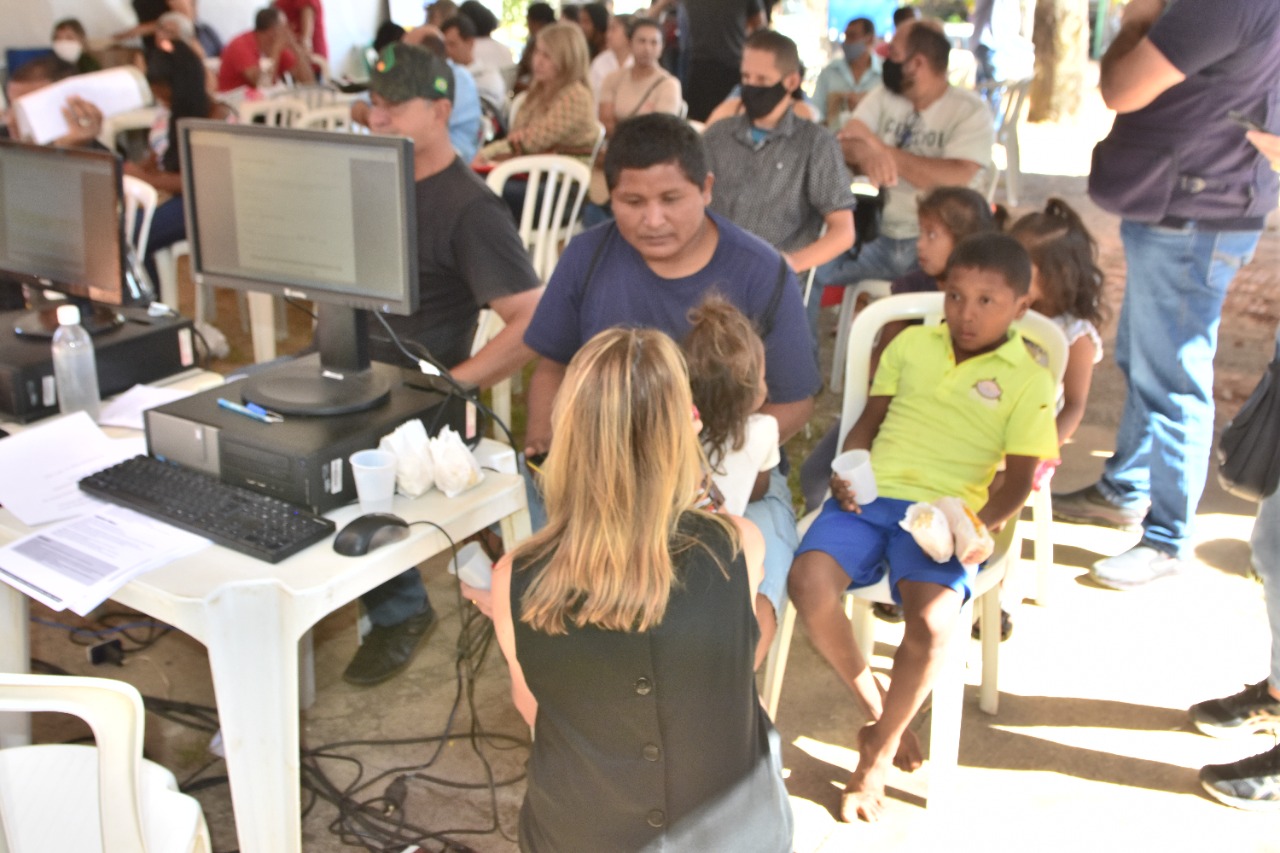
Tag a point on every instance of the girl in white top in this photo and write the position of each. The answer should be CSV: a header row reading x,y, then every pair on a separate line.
x,y
726,373
1066,286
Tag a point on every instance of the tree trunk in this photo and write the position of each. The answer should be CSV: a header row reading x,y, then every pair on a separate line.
x,y
1061,37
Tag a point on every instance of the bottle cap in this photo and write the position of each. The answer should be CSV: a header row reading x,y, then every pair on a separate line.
x,y
68,315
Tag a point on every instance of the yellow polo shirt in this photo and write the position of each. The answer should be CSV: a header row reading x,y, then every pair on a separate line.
x,y
949,425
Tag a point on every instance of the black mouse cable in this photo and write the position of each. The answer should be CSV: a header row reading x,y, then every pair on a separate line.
x,y
430,365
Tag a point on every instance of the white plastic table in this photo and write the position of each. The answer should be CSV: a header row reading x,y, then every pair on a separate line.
x,y
250,616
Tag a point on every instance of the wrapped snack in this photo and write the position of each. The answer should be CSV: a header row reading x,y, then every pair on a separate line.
x,y
928,526
456,469
972,539
415,470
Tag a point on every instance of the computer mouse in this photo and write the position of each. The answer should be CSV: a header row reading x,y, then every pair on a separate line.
x,y
369,533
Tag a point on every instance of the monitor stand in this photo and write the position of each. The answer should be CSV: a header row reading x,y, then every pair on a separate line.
x,y
342,382
42,322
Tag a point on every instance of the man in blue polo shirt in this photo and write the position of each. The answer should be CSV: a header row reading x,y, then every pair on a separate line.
x,y
662,253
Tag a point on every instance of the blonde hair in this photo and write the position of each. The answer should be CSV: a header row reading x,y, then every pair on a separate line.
x,y
567,47
624,467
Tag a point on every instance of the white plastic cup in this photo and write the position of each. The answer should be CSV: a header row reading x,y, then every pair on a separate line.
x,y
854,467
375,476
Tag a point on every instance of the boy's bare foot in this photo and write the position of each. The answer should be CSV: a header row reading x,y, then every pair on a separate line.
x,y
863,797
909,757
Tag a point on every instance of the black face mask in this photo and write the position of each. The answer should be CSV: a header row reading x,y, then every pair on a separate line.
x,y
892,76
759,101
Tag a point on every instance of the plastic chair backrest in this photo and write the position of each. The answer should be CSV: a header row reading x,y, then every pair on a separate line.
x,y
1012,95
549,214
326,117
113,709
1033,326
139,196
273,112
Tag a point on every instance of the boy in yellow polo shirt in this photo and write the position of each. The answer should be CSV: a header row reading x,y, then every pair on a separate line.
x,y
948,403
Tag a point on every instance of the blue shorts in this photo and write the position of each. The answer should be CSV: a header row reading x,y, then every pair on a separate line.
x,y
862,543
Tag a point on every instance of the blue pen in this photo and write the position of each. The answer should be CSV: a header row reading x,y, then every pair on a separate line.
x,y
253,411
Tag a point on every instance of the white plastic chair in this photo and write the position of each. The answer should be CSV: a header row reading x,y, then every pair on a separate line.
x,y
948,691
140,198
488,326
259,307
1005,155
874,288
62,797
552,203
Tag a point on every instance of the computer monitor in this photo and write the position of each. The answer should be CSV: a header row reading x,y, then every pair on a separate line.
x,y
61,216
327,217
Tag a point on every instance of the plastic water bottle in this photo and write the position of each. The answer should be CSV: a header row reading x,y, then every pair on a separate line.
x,y
75,369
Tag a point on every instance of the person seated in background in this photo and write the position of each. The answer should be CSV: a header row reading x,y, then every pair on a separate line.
x,y
207,36
663,253
842,84
778,176
460,44
948,403
72,45
538,16
642,87
306,22
177,77
84,119
570,12
262,56
464,118
489,51
593,18
617,53
627,628
912,134
558,114
732,105
174,27
469,256
439,12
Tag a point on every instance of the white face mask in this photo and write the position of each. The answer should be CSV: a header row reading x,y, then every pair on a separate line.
x,y
68,50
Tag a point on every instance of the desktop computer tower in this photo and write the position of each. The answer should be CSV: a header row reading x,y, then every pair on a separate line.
x,y
144,349
302,460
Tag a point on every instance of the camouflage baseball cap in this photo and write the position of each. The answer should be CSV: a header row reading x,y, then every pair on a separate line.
x,y
405,71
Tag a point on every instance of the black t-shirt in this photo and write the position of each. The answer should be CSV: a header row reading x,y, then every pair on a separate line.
x,y
718,28
149,10
469,253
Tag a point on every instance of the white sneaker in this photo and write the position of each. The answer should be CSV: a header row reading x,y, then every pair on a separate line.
x,y
1134,568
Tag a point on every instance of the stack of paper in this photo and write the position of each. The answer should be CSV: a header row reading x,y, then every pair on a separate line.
x,y
113,91
97,547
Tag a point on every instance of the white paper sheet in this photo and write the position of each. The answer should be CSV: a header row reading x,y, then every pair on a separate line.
x,y
79,563
113,91
126,410
43,466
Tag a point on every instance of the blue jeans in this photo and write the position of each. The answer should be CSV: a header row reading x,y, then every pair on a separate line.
x,y
168,226
1165,342
396,600
883,257
1266,562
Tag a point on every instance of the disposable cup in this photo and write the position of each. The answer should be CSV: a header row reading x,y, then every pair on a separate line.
x,y
375,475
854,467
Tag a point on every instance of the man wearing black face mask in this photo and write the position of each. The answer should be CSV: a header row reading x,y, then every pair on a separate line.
x,y
844,82
915,133
778,176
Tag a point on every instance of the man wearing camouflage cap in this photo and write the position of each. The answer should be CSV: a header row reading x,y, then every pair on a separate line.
x,y
469,257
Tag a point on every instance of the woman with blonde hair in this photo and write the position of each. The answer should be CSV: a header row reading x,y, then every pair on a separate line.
x,y
558,114
628,627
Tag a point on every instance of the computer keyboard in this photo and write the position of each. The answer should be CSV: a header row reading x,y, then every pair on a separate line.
x,y
255,524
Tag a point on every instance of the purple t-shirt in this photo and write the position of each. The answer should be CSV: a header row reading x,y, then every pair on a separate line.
x,y
623,291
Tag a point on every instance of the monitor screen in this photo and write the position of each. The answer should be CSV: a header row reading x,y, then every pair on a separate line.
x,y
60,221
327,217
